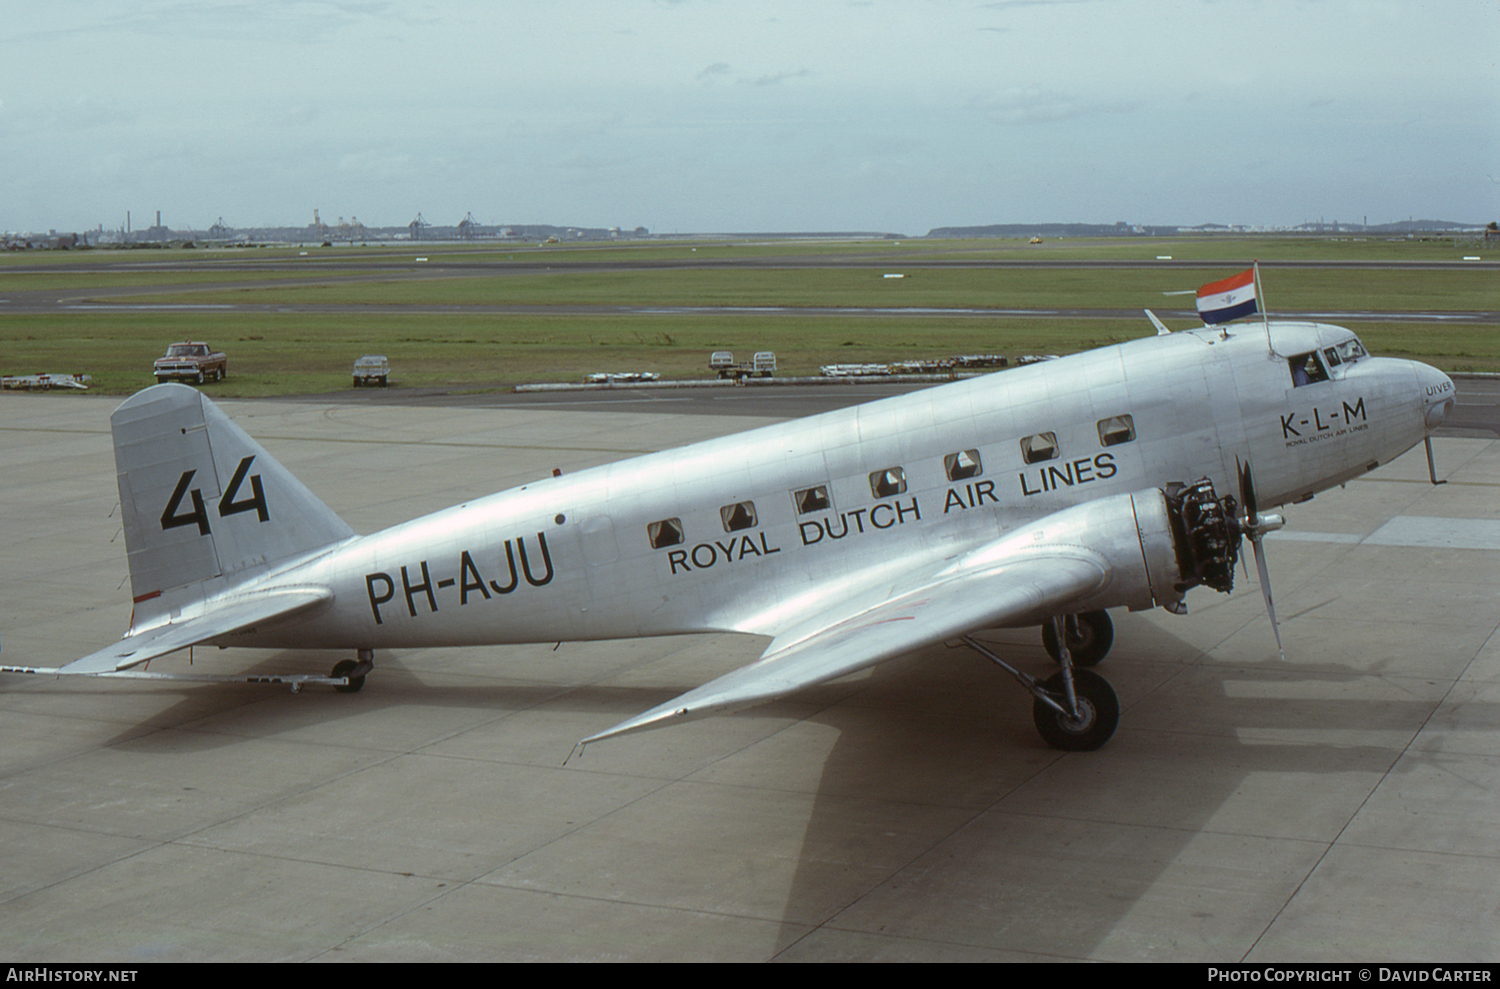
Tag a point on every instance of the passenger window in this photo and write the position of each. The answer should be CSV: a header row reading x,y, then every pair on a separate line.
x,y
1042,446
667,532
1116,430
959,466
1306,369
814,499
740,515
891,481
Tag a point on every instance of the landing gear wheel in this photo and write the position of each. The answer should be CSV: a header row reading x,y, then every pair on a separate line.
x,y
1089,637
342,669
1098,713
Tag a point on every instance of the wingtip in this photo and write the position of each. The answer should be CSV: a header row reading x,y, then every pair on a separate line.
x,y
655,718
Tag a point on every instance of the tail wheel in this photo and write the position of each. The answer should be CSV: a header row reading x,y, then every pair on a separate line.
x,y
1089,637
342,669
1098,713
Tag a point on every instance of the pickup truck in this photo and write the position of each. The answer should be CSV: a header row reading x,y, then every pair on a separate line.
x,y
191,361
371,369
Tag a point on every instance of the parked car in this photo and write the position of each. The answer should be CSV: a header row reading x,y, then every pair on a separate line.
x,y
191,361
371,369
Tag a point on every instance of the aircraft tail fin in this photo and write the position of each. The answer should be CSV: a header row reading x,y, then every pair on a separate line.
x,y
202,501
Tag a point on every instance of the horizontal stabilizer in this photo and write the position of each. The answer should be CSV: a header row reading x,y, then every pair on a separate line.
x,y
939,609
223,620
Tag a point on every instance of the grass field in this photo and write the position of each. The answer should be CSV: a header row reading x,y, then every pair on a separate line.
x,y
280,352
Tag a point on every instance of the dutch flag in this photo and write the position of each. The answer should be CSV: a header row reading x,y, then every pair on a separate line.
x,y
1221,301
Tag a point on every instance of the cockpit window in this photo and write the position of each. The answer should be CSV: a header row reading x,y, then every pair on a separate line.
x,y
1349,350
1306,369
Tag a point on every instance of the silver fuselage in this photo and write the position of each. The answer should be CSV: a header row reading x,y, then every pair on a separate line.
x,y
572,557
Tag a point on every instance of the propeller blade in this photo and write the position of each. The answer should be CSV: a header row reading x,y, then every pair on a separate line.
x,y
1256,526
1247,490
1265,590
1431,465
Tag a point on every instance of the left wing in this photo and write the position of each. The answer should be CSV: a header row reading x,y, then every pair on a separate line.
x,y
889,622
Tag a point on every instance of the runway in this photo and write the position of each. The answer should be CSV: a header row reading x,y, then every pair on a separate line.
x,y
1340,806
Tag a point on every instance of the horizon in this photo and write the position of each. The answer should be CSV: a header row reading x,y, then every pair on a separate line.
x,y
388,233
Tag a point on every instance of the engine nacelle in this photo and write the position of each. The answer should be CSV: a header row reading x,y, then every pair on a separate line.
x,y
1153,545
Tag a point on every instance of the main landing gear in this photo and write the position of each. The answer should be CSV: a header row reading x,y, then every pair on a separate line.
x,y
1088,718
1088,635
1074,709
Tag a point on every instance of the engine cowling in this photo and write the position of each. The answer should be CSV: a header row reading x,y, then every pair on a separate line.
x,y
1155,544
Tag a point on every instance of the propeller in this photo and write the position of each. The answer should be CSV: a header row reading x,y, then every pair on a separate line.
x,y
1255,525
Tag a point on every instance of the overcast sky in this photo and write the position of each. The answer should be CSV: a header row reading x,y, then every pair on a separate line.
x,y
732,115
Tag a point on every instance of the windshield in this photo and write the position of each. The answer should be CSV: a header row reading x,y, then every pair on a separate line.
x,y
1349,350
185,349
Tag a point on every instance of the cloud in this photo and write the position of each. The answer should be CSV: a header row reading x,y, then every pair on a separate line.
x,y
777,78
721,70
1033,105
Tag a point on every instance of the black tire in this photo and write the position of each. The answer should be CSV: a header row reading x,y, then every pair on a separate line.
x,y
1088,644
342,669
1099,712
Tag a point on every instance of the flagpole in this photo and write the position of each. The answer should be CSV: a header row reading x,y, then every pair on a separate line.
x,y
1260,300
